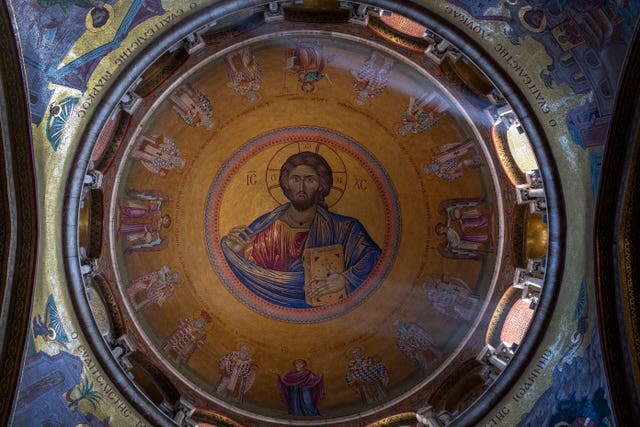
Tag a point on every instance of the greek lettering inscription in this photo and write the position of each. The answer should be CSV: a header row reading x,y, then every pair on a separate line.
x,y
252,178
90,96
497,419
360,184
105,388
525,77
535,373
467,21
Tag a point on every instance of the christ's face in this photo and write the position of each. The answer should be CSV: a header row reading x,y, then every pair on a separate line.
x,y
303,185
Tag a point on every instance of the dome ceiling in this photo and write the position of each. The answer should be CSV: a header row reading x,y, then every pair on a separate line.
x,y
149,145
294,209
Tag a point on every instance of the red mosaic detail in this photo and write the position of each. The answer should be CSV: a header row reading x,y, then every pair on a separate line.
x,y
404,25
517,322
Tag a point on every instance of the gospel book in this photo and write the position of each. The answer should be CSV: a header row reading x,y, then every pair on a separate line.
x,y
319,263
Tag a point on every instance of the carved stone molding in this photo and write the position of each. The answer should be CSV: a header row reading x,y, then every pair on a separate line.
x,y
617,242
18,229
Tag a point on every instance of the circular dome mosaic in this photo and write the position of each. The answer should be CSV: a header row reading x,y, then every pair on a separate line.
x,y
305,226
296,284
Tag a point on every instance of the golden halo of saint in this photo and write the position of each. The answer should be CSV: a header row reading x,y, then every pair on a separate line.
x,y
330,155
532,19
98,18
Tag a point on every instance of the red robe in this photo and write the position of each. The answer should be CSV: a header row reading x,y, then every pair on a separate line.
x,y
277,246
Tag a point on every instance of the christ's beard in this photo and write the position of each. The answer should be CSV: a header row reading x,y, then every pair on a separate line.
x,y
304,204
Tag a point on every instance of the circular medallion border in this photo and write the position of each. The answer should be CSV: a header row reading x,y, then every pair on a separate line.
x,y
335,141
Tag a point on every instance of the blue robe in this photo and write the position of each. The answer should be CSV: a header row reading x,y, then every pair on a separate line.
x,y
302,391
286,288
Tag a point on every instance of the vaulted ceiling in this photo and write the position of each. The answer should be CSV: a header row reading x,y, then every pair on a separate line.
x,y
443,274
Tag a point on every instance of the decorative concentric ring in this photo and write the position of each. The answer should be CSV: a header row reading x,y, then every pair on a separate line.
x,y
330,143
